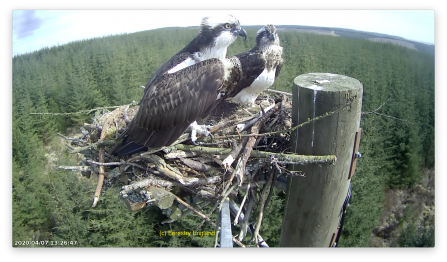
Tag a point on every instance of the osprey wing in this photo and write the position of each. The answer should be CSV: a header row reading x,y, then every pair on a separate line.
x,y
278,69
253,63
172,62
174,102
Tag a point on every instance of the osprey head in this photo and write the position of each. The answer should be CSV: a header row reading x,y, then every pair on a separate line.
x,y
223,29
267,36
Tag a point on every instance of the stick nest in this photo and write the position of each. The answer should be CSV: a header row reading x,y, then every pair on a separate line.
x,y
240,158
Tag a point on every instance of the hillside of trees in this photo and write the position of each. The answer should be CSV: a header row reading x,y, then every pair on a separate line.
x,y
55,205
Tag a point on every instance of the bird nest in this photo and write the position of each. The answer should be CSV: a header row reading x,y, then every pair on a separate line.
x,y
249,151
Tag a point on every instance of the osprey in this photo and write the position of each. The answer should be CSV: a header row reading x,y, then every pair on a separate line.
x,y
260,65
184,88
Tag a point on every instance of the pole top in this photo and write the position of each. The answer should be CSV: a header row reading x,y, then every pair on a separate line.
x,y
327,82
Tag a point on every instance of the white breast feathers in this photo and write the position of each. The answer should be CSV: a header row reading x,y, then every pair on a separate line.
x,y
261,83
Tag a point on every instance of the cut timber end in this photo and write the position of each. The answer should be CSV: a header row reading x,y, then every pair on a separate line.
x,y
134,206
163,199
314,201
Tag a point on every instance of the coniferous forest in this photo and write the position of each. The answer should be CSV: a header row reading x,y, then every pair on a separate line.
x,y
50,204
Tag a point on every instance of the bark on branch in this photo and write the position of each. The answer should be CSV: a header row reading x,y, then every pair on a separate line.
x,y
290,158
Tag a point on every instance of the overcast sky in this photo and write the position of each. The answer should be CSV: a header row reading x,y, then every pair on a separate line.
x,y
35,29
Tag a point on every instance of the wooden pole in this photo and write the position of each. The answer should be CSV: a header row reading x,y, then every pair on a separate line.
x,y
313,202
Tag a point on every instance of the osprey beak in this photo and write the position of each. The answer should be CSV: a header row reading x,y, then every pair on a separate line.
x,y
242,32
272,37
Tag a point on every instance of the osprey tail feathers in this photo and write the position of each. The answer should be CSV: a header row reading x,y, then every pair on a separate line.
x,y
127,147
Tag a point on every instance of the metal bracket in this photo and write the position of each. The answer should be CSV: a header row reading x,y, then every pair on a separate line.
x,y
226,237
355,153
334,237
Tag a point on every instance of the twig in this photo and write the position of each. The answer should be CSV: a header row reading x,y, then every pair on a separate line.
x,y
244,126
228,161
271,190
238,242
288,130
379,114
373,112
125,114
70,138
251,142
83,111
169,171
209,214
393,117
92,127
278,92
106,164
150,181
216,230
100,178
296,159
110,119
226,192
76,168
194,210
252,184
198,166
147,169
69,147
281,109
261,242
236,219
223,124
100,143
261,208
245,222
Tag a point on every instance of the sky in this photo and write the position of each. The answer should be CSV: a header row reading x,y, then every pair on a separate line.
x,y
36,29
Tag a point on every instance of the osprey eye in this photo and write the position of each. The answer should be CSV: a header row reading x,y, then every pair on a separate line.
x,y
227,26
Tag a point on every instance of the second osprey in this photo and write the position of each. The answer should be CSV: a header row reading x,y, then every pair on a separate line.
x,y
260,65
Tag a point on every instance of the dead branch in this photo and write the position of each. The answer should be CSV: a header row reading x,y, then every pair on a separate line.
x,y
194,210
106,164
126,119
379,114
100,178
92,127
245,221
261,208
278,92
296,159
372,112
198,166
244,126
70,138
206,171
236,219
169,171
76,168
228,161
288,130
94,146
83,111
238,242
106,131
160,197
150,181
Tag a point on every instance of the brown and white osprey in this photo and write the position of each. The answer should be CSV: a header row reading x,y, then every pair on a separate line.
x,y
260,65
184,88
